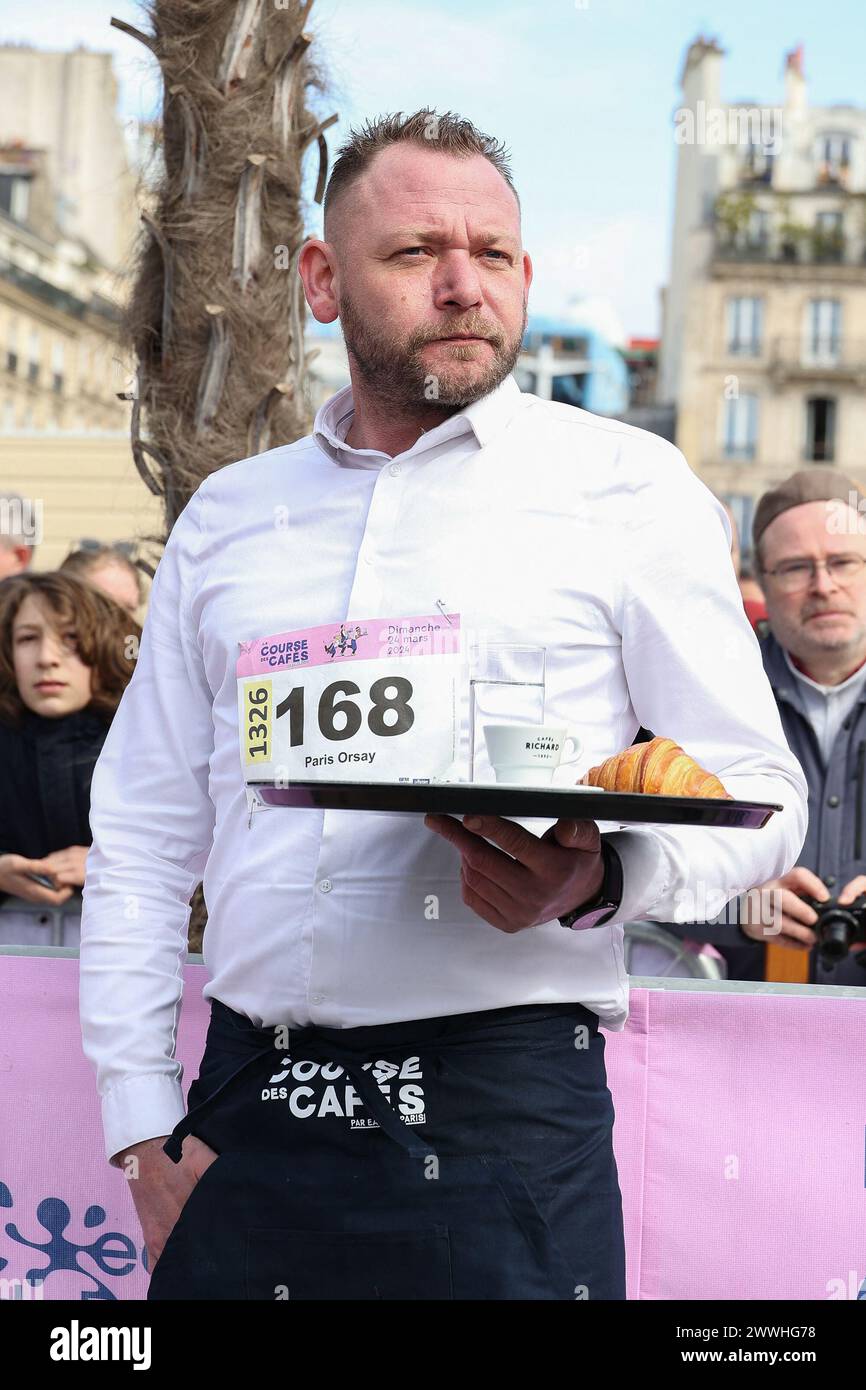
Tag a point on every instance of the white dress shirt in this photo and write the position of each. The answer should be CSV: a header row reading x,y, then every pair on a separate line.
x,y
827,706
538,523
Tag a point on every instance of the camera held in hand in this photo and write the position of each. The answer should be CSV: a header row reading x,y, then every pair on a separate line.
x,y
838,928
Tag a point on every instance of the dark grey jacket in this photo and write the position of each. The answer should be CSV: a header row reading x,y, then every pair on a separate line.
x,y
835,845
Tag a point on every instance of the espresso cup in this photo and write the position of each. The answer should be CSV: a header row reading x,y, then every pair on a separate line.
x,y
527,755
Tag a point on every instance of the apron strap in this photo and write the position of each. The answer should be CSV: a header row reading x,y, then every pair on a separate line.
x,y
173,1145
405,1135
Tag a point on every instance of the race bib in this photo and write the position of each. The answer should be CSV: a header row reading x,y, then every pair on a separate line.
x,y
368,700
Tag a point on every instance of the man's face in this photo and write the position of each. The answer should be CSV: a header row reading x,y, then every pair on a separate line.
x,y
824,616
430,277
51,677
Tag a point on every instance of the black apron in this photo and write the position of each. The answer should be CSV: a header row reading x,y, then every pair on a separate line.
x,y
464,1157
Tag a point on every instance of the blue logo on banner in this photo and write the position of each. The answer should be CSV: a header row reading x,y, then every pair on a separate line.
x,y
112,1252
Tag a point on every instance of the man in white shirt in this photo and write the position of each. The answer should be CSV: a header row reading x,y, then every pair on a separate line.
x,y
431,486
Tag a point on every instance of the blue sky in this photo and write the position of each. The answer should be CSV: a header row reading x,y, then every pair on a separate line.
x,y
582,92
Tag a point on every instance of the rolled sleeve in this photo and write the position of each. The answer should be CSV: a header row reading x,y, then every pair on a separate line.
x,y
152,822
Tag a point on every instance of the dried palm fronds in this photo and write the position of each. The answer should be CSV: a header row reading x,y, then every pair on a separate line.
x,y
216,316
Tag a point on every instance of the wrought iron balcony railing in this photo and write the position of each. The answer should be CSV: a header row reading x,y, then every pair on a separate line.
x,y
817,356
814,249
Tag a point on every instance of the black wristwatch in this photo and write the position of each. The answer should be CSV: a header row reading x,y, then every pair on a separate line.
x,y
605,904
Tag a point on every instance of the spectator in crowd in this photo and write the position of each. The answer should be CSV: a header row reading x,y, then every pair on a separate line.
x,y
753,600
67,653
109,569
810,554
16,541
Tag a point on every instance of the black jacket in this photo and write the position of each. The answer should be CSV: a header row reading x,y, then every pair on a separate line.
x,y
46,767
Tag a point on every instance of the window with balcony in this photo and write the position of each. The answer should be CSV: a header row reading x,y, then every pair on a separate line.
x,y
758,164
833,156
744,326
820,429
740,427
823,332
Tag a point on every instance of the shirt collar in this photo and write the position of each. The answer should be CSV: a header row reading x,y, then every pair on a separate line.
x,y
853,679
484,418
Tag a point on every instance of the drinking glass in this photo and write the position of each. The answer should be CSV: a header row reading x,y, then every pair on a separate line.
x,y
506,686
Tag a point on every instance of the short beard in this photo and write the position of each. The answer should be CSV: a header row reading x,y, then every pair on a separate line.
x,y
396,376
797,638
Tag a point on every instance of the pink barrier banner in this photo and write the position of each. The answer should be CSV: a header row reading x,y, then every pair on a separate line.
x,y
739,1139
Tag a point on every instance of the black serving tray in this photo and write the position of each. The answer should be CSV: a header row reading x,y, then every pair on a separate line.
x,y
465,798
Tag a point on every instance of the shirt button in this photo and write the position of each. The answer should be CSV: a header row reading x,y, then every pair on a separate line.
x,y
368,559
325,886
832,801
317,998
394,470
830,879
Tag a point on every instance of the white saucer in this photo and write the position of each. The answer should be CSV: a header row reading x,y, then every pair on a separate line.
x,y
530,787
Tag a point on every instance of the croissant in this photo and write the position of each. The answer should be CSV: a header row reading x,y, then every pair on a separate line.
x,y
660,766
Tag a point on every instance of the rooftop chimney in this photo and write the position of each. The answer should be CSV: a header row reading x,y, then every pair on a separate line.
x,y
795,80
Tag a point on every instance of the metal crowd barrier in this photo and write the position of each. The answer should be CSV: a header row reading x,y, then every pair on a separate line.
x,y
40,922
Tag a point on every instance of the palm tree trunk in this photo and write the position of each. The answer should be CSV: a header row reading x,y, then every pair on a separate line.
x,y
216,313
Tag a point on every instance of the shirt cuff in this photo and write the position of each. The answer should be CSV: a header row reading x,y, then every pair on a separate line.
x,y
646,874
142,1107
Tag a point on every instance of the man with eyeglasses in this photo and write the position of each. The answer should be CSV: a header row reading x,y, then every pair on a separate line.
x,y
809,537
